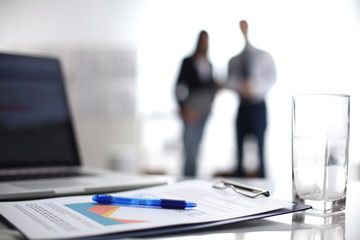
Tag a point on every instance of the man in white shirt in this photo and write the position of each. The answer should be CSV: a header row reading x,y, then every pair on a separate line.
x,y
251,74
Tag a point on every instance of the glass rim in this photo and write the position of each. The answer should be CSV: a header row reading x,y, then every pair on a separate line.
x,y
322,94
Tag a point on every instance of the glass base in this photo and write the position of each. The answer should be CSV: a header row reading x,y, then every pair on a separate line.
x,y
322,208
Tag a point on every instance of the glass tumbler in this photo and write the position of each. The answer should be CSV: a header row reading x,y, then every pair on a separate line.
x,y
320,147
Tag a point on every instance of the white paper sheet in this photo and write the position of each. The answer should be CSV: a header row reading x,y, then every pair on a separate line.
x,y
79,216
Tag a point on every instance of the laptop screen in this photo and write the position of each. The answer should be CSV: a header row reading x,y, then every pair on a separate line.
x,y
35,124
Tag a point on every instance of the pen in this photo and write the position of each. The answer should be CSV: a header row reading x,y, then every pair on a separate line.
x,y
163,203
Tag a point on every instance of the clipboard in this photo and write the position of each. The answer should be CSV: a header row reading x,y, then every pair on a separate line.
x,y
218,204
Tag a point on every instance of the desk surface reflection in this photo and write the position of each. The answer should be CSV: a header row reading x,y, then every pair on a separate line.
x,y
296,226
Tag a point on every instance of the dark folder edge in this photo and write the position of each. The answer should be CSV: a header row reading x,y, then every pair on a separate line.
x,y
200,226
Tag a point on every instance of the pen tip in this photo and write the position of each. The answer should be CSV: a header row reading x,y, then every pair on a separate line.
x,y
191,204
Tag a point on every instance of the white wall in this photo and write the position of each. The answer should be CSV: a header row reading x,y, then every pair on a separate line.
x,y
315,45
67,22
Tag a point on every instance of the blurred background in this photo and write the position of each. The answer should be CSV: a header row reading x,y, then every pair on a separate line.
x,y
121,59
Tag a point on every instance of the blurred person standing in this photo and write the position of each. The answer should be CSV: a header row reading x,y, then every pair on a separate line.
x,y
195,91
251,74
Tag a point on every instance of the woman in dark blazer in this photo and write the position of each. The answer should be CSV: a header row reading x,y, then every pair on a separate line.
x,y
195,91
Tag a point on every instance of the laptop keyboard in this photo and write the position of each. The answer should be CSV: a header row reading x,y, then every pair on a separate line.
x,y
30,174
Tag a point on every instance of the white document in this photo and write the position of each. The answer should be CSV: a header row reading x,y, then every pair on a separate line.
x,y
79,216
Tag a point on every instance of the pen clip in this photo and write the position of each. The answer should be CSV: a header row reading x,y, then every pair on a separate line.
x,y
241,189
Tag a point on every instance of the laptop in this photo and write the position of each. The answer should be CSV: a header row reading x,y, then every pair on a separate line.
x,y
39,156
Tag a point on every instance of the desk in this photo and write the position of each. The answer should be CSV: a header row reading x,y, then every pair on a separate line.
x,y
296,226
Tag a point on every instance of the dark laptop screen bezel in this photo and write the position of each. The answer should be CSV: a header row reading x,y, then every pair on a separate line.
x,y
9,61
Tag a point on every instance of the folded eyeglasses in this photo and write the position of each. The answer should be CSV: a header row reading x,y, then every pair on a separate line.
x,y
241,189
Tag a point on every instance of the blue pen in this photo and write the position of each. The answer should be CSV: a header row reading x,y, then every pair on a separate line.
x,y
163,203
